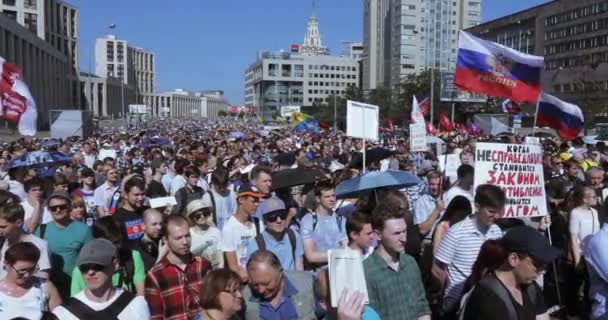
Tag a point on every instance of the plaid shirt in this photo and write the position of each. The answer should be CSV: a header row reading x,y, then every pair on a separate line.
x,y
395,295
173,294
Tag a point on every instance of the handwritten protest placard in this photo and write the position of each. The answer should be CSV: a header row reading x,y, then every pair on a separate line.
x,y
417,137
518,170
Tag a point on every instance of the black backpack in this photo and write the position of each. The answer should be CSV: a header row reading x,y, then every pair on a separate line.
x,y
81,311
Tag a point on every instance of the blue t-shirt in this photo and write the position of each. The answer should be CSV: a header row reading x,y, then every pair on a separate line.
x,y
281,248
368,314
328,233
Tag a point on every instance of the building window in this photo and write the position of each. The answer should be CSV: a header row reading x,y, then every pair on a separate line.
x,y
8,2
10,14
31,21
29,4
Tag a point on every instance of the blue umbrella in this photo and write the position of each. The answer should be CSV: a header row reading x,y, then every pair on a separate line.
x,y
38,159
263,133
49,143
393,179
155,142
236,134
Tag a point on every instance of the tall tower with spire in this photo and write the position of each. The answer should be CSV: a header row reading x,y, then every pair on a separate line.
x,y
312,40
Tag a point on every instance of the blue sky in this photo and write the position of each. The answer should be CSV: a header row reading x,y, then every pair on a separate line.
x,y
208,44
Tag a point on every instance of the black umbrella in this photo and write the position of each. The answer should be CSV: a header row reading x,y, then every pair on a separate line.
x,y
371,155
296,177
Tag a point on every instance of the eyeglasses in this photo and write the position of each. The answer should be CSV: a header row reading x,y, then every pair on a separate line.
x,y
273,217
59,207
29,271
201,213
92,266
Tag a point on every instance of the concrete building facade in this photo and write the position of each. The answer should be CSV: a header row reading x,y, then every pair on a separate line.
x,y
281,79
189,104
573,38
104,96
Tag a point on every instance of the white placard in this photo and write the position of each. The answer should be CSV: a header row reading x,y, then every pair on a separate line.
x,y
105,153
449,165
287,111
362,120
532,140
346,272
163,202
518,170
417,137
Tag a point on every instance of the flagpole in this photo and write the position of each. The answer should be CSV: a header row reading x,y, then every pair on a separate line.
x,y
535,116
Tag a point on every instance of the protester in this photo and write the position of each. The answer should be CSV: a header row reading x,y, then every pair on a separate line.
x,y
131,207
393,279
458,210
239,229
173,284
274,293
459,248
33,205
65,238
261,181
221,296
323,229
129,274
277,238
597,264
78,210
103,194
463,186
150,246
11,230
100,299
222,197
86,191
191,191
179,180
155,187
429,207
22,294
510,291
361,236
206,238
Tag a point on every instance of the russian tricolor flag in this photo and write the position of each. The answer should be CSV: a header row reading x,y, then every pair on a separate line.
x,y
489,68
562,116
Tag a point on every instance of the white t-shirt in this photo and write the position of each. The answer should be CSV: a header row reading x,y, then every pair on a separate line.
x,y
136,309
458,191
29,306
44,262
207,244
29,212
235,237
584,223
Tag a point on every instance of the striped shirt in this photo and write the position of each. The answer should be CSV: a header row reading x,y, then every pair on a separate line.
x,y
458,250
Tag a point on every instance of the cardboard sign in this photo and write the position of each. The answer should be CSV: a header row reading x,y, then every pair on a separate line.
x,y
417,137
362,120
449,165
518,170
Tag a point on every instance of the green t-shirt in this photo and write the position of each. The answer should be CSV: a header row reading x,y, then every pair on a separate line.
x,y
139,275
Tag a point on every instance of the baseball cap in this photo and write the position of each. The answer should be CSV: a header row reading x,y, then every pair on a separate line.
x,y
59,195
272,205
198,204
524,239
248,190
97,251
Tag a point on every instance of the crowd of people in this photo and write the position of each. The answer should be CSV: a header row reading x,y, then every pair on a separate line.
x,y
183,220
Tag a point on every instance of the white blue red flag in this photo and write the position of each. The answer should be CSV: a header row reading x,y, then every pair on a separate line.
x,y
16,101
489,68
566,118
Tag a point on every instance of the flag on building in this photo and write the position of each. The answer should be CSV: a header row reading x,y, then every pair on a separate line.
x,y
304,122
489,68
16,101
566,118
511,107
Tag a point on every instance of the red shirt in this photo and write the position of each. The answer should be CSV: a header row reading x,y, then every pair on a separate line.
x,y
173,294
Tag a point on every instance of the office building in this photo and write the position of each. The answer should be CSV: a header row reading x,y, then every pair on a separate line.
x,y
141,73
189,104
352,49
403,37
107,97
573,38
282,79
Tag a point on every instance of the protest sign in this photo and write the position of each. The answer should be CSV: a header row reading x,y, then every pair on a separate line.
x,y
417,137
346,272
362,120
106,153
449,166
518,170
532,140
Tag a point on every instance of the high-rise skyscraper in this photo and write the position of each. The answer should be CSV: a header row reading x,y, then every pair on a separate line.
x,y
402,37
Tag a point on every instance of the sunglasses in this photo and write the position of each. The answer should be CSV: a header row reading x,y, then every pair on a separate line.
x,y
202,213
273,217
59,207
95,267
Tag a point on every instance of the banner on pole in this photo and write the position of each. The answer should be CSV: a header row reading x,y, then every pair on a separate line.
x,y
362,120
518,170
417,137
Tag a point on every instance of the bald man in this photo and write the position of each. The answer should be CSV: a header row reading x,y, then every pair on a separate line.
x,y
151,243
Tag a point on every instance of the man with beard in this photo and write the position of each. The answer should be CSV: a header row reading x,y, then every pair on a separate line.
x,y
150,244
173,285
100,299
131,207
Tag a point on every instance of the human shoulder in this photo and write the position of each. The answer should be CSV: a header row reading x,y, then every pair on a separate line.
x,y
62,313
137,309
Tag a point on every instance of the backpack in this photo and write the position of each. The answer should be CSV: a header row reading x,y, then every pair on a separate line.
x,y
214,210
492,283
126,271
82,311
259,239
315,220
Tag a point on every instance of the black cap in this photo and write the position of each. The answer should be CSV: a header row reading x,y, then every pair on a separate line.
x,y
524,239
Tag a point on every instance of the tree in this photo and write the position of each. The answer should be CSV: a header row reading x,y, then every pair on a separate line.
x,y
381,97
222,113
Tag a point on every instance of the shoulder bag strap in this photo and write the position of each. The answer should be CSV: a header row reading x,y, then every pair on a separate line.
x,y
497,287
42,230
214,211
292,241
119,304
259,239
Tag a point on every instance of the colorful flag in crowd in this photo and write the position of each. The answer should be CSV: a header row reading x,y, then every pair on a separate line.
x,y
446,123
424,105
16,101
389,125
511,107
566,118
489,68
416,113
304,122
